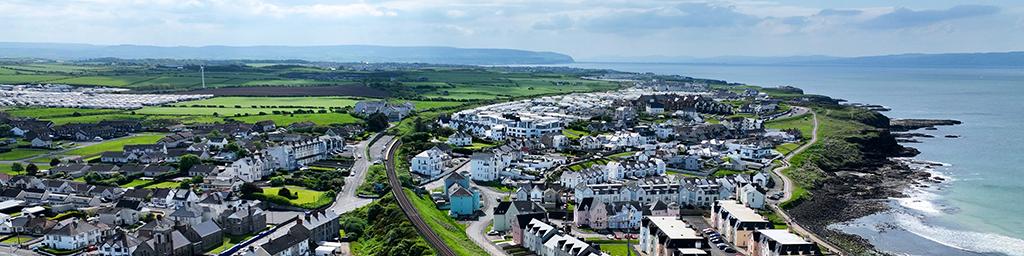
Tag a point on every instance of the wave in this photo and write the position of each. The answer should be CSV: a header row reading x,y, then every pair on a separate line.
x,y
961,239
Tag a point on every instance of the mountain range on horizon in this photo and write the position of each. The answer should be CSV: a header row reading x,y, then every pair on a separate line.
x,y
985,59
331,53
473,56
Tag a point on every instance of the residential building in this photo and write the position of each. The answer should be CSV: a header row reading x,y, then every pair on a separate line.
x,y
736,222
777,242
429,162
73,235
666,236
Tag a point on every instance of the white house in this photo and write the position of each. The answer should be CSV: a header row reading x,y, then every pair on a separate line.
x,y
751,196
460,139
72,236
485,166
429,162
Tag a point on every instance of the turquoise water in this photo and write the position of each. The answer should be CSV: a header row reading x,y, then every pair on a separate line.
x,y
979,210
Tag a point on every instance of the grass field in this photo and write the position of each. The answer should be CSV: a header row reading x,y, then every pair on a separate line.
x,y
115,144
17,239
804,123
304,195
320,119
615,247
163,184
21,153
229,241
56,112
785,148
453,233
574,134
134,183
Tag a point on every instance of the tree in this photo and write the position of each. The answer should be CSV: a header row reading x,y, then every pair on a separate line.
x,y
185,184
17,167
249,188
376,122
277,181
54,162
285,192
31,169
187,161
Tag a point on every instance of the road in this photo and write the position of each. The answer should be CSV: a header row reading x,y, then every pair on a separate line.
x,y
348,198
788,190
477,230
410,211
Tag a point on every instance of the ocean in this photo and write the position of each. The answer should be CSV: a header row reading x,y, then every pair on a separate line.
x,y
978,211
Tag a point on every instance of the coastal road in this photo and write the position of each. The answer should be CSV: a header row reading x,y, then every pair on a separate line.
x,y
788,191
348,198
477,230
410,211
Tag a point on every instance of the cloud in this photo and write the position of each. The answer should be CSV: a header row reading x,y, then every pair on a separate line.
x,y
558,22
839,12
905,18
687,15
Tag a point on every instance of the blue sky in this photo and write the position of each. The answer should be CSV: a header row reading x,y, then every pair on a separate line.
x,y
583,29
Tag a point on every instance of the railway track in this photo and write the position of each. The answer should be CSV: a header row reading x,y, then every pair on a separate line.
x,y
410,211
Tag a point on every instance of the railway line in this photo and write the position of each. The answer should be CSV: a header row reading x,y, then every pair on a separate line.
x,y
410,211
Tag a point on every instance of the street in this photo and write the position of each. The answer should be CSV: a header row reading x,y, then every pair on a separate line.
x,y
348,198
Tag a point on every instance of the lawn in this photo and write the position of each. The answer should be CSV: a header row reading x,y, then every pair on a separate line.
x,y
56,112
6,169
111,81
785,148
615,247
21,153
116,144
776,221
305,195
452,232
623,154
803,123
574,134
163,184
134,183
17,239
230,241
724,172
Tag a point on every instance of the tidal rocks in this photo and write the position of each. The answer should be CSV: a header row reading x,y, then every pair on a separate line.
x,y
903,125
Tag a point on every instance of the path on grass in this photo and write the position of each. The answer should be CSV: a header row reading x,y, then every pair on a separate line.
x,y
788,188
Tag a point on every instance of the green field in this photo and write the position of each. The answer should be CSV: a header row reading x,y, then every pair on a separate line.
x,y
21,153
134,183
230,241
803,123
56,112
290,102
785,148
17,239
453,233
304,195
320,119
574,134
616,247
163,184
115,144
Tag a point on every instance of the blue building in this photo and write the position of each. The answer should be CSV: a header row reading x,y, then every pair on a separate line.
x,y
463,200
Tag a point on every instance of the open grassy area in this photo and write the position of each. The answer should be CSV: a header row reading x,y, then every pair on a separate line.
x,y
776,221
21,153
588,164
163,184
17,239
115,144
304,195
453,233
134,183
320,119
574,134
230,241
616,247
785,148
803,123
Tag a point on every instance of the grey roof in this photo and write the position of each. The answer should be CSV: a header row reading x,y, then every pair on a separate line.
x,y
206,228
73,228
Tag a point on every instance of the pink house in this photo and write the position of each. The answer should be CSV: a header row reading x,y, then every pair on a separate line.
x,y
591,213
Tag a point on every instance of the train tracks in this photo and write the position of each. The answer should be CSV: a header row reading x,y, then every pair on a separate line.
x,y
410,211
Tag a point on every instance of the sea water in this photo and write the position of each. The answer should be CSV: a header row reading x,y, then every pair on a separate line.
x,y
980,209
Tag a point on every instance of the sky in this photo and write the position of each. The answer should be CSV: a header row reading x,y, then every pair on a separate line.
x,y
582,29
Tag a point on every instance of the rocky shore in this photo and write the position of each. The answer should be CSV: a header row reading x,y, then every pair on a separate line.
x,y
905,125
864,188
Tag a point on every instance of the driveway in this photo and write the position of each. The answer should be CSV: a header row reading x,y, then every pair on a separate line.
x,y
348,198
477,230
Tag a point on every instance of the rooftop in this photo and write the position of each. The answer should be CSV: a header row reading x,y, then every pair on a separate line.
x,y
740,211
674,228
783,236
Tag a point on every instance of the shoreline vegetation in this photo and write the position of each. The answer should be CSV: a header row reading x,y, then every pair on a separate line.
x,y
852,170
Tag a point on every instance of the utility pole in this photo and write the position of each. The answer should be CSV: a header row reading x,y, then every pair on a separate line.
x,y
202,75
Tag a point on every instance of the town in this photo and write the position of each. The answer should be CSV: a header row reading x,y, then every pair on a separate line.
x,y
658,167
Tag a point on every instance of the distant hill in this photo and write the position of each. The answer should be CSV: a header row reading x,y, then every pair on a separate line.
x,y
991,59
994,59
336,53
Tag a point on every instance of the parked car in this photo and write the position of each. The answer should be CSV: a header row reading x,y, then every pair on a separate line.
x,y
721,246
729,250
492,233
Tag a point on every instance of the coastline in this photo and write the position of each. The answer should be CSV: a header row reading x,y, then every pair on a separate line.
x,y
887,173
